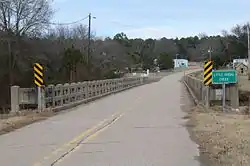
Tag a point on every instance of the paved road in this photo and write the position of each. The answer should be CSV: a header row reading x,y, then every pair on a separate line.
x,y
138,127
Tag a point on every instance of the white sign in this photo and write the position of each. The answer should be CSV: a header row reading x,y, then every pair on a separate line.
x,y
218,94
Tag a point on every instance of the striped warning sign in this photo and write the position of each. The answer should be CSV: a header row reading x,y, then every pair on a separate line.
x,y
208,67
38,74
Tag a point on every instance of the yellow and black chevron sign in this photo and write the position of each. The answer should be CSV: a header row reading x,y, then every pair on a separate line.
x,y
38,74
208,67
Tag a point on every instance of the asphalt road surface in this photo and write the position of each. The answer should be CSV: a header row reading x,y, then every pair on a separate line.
x,y
143,126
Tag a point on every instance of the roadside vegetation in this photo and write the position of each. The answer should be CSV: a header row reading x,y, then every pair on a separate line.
x,y
223,138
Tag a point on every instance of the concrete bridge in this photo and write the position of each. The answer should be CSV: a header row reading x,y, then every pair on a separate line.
x,y
141,126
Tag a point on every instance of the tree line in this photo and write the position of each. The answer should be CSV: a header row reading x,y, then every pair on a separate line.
x,y
28,36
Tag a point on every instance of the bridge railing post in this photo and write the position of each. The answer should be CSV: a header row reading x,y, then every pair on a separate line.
x,y
50,96
15,98
53,95
41,99
87,90
234,96
60,94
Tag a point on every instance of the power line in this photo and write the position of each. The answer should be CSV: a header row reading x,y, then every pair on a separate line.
x,y
49,23
69,23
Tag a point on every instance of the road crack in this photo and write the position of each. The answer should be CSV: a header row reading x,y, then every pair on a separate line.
x,y
82,140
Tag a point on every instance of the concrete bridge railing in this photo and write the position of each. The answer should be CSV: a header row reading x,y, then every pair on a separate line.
x,y
63,96
213,94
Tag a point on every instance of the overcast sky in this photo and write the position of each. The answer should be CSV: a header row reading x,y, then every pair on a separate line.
x,y
157,18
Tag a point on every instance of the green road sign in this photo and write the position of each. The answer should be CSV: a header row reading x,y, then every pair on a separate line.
x,y
224,77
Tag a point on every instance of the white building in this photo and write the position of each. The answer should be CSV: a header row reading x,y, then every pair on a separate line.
x,y
180,63
238,61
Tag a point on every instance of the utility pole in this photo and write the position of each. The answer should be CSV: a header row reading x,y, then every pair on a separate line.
x,y
176,61
89,39
210,53
248,50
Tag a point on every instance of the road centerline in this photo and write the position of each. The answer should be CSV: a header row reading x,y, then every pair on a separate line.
x,y
80,137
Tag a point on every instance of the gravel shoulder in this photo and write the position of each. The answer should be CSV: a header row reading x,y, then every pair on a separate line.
x,y
244,83
224,139
10,123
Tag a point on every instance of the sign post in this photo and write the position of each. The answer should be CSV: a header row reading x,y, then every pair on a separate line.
x,y
224,77
38,80
224,96
39,96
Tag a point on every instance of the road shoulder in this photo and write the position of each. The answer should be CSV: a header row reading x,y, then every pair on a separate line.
x,y
11,123
224,139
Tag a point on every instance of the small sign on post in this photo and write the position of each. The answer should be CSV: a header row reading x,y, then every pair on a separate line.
x,y
224,77
208,68
207,79
38,75
39,82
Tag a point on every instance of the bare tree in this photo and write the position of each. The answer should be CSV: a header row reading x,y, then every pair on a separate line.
x,y
224,33
80,31
70,35
202,35
72,38
22,18
25,17
109,54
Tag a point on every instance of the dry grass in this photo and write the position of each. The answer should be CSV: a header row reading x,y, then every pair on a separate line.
x,y
198,74
10,123
223,138
244,90
244,83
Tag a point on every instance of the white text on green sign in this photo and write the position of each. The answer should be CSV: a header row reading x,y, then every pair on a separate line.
x,y
224,76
